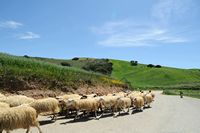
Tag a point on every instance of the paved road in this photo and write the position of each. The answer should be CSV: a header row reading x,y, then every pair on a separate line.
x,y
169,114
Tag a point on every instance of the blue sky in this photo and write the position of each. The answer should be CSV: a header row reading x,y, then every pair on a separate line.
x,y
165,32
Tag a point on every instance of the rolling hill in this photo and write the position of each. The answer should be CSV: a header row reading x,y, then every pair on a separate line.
x,y
166,77
141,76
29,73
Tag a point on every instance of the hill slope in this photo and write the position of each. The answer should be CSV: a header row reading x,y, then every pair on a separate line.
x,y
141,76
165,77
20,74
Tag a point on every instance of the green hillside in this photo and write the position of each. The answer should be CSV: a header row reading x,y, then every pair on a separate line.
x,y
144,77
139,76
23,73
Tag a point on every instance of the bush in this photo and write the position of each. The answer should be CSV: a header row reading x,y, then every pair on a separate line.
x,y
65,64
133,63
26,56
158,66
150,65
75,58
100,66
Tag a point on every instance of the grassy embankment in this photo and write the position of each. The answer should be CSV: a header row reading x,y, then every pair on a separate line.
x,y
20,73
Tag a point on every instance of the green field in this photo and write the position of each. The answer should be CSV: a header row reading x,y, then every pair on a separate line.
x,y
18,73
141,76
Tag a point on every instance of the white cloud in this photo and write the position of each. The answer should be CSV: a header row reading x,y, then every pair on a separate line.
x,y
165,10
28,35
10,24
128,34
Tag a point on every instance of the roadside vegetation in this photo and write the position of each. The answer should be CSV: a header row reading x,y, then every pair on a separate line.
x,y
188,92
20,73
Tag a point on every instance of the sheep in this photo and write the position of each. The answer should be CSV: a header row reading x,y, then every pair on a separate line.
x,y
120,94
16,100
148,99
89,105
108,102
152,94
123,103
46,105
67,106
138,103
18,117
4,105
68,96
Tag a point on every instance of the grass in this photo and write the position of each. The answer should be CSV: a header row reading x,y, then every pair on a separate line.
x,y
14,69
189,92
141,76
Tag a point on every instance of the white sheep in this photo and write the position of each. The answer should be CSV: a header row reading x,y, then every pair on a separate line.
x,y
88,105
16,100
138,103
18,117
148,99
46,105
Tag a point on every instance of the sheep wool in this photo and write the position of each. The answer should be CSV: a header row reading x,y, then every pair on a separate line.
x,y
2,96
4,105
18,117
17,100
45,105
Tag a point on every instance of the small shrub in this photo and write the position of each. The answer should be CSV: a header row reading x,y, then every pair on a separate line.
x,y
26,56
133,63
100,65
75,58
65,64
158,66
150,65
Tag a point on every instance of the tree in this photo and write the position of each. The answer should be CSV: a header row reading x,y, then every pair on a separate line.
x,y
75,58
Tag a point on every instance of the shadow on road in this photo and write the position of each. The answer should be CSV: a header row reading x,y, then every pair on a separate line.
x,y
84,119
136,111
45,122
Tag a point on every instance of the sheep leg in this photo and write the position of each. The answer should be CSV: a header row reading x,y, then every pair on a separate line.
x,y
54,117
38,127
77,112
67,113
28,129
95,113
7,131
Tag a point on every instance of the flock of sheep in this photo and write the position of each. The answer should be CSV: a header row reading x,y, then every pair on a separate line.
x,y
20,111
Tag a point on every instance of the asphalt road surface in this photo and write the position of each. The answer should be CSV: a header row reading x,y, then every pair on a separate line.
x,y
168,114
